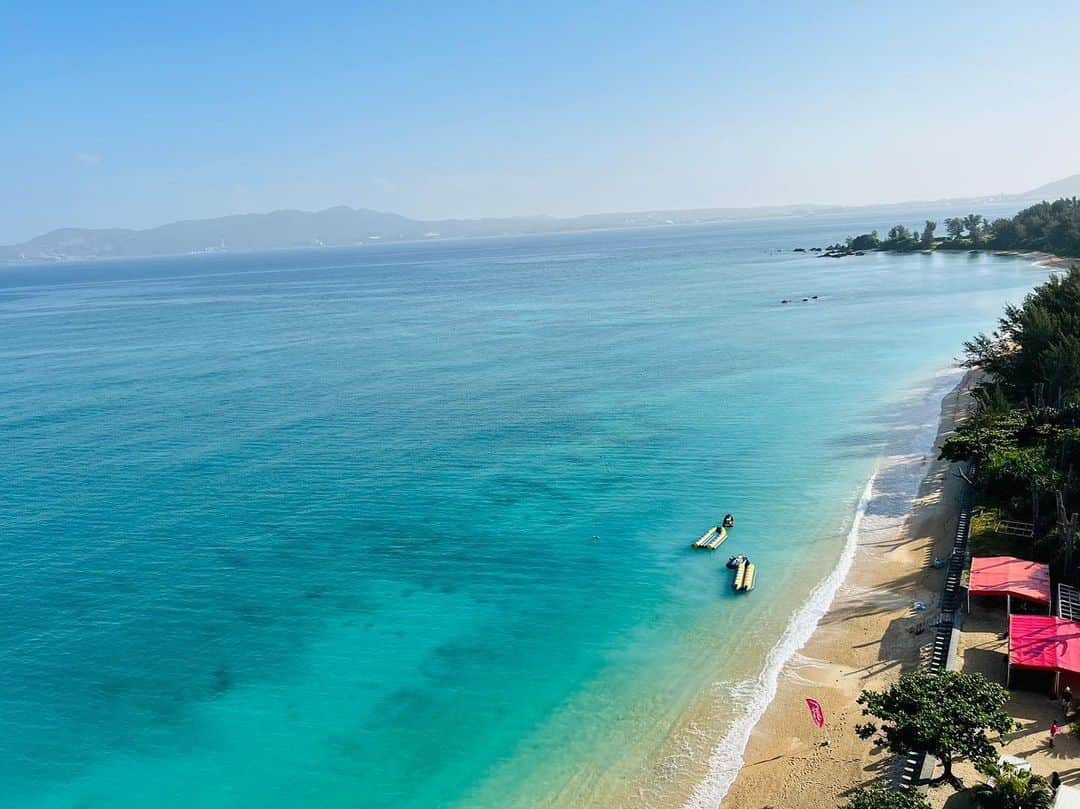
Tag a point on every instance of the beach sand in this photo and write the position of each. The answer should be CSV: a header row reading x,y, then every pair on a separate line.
x,y
1041,259
864,641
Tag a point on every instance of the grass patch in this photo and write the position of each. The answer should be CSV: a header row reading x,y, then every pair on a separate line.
x,y
986,540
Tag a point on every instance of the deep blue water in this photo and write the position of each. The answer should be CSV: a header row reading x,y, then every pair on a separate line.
x,y
408,526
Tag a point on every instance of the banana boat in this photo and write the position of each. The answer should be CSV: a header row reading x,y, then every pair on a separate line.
x,y
750,578
740,575
745,574
712,539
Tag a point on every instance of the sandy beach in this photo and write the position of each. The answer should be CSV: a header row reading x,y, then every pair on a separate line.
x,y
864,641
1040,259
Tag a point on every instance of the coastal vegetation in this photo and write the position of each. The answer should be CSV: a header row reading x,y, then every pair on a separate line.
x,y
946,715
1023,437
1021,450
1050,227
886,798
1012,789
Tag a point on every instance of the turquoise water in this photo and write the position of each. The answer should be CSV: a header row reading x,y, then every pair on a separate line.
x,y
408,526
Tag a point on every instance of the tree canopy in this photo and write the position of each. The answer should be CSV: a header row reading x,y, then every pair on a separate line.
x,y
1051,227
886,798
865,241
901,239
927,239
945,715
1013,789
1025,430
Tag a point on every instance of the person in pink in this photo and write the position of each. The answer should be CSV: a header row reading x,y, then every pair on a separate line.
x,y
1055,729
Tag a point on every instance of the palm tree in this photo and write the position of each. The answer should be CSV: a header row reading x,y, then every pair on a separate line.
x,y
1012,789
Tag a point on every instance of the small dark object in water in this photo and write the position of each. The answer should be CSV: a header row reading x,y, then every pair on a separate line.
x,y
805,300
860,253
785,301
223,681
728,521
799,250
734,561
813,297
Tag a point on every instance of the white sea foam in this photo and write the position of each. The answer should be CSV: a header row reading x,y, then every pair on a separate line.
x,y
727,758
906,472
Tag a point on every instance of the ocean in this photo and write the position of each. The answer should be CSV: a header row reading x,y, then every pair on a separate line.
x,y
409,525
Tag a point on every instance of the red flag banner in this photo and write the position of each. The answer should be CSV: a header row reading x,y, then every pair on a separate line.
x,y
816,713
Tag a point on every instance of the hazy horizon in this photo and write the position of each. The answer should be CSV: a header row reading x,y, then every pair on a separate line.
x,y
823,205
140,118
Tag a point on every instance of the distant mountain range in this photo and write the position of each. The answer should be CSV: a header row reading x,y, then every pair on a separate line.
x,y
348,226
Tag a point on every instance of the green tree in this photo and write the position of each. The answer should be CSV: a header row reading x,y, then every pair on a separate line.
x,y
1061,367
865,241
1013,789
1024,466
928,233
1050,226
885,798
1009,234
954,226
973,225
1035,343
901,239
944,715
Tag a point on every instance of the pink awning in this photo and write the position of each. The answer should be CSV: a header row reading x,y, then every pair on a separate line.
x,y
1044,642
1009,576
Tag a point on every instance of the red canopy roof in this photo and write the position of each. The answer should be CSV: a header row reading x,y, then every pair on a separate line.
x,y
1044,642
1008,576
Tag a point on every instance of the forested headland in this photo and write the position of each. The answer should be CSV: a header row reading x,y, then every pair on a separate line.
x,y
1049,227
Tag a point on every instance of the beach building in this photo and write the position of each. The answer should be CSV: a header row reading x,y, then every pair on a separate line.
x,y
1012,578
1045,643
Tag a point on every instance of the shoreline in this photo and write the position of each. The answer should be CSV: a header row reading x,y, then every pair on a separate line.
x,y
861,641
1042,259
721,776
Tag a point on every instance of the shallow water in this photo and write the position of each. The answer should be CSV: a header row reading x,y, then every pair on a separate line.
x,y
409,526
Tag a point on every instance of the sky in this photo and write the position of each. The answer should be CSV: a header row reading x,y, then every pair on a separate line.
x,y
133,114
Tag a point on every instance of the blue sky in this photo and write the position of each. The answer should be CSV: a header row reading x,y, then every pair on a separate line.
x,y
130,116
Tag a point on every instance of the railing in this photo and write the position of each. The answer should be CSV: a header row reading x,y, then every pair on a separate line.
x,y
1015,528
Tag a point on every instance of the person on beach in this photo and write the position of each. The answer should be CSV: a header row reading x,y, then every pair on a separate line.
x,y
1066,702
1055,729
